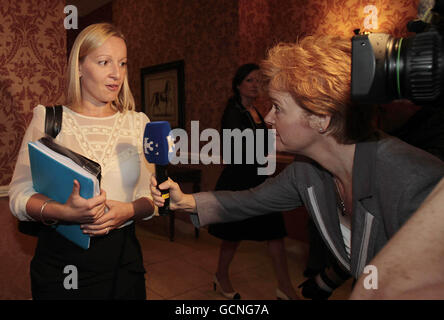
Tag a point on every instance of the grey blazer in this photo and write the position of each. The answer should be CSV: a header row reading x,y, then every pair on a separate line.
x,y
390,181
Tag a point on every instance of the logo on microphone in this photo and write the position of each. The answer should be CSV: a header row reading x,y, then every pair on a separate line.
x,y
149,147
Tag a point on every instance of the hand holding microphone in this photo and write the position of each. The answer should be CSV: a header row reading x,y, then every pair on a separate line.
x,y
157,146
174,190
178,199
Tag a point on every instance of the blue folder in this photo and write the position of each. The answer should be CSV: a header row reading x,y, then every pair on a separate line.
x,y
53,175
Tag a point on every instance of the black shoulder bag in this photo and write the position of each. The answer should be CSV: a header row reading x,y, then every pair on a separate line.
x,y
53,125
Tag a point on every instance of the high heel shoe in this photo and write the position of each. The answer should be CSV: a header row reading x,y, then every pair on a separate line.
x,y
229,295
281,295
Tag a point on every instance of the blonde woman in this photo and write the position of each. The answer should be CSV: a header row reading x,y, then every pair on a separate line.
x,y
100,123
359,186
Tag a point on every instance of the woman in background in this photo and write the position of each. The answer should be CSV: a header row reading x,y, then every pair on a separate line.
x,y
240,113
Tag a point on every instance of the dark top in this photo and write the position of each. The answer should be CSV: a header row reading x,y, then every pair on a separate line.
x,y
424,130
244,176
391,179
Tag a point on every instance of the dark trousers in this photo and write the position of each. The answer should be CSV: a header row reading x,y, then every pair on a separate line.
x,y
112,268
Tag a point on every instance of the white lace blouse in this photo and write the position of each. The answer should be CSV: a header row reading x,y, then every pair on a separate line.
x,y
115,142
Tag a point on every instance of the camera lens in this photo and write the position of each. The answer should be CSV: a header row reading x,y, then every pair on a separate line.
x,y
422,68
398,68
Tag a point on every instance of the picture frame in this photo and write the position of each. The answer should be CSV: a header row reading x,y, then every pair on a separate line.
x,y
163,93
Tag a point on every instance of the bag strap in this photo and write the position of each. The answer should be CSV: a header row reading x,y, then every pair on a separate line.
x,y
53,120
53,125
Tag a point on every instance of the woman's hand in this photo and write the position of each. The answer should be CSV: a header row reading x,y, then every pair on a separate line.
x,y
119,213
178,200
80,210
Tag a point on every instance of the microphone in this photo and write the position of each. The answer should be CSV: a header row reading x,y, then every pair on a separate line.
x,y
157,147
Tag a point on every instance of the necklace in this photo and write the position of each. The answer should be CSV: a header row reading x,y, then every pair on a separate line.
x,y
341,203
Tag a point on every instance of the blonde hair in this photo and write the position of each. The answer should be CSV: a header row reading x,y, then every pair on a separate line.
x,y
316,72
89,39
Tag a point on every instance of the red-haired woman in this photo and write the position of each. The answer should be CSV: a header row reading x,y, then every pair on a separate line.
x,y
360,186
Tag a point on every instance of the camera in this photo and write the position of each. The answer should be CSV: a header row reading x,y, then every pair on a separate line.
x,y
385,68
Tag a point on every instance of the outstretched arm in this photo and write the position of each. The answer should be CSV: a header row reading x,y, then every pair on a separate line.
x,y
275,194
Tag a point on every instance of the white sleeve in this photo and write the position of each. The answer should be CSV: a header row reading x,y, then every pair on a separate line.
x,y
20,188
142,188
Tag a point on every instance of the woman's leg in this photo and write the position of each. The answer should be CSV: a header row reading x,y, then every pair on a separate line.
x,y
226,253
278,255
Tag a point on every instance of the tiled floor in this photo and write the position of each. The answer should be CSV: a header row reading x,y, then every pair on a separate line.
x,y
183,269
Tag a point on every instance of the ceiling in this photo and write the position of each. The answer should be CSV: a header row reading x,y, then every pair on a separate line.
x,y
85,7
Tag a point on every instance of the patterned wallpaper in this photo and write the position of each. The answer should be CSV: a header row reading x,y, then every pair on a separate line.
x,y
32,65
201,32
264,23
283,20
213,37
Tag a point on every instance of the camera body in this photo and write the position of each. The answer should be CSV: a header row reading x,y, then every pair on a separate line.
x,y
385,68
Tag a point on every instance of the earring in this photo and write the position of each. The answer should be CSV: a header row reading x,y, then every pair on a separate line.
x,y
321,130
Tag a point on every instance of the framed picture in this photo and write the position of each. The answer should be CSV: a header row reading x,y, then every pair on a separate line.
x,y
163,93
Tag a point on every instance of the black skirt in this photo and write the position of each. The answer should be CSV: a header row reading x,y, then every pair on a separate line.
x,y
112,268
267,227
270,226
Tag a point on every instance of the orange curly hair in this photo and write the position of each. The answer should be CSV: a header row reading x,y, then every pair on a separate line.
x,y
316,72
